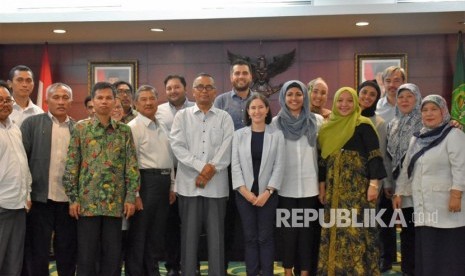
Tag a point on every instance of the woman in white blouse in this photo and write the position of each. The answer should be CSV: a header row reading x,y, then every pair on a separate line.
x,y
433,173
300,187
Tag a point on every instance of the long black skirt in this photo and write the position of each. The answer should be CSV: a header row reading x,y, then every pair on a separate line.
x,y
439,251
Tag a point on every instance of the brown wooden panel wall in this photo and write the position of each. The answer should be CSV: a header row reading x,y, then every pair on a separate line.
x,y
430,61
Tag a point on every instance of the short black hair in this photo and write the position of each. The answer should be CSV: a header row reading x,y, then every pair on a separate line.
x,y
179,77
254,96
11,75
87,99
103,85
5,85
118,83
240,62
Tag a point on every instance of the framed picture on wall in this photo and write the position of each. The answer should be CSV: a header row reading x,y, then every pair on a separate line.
x,y
371,66
112,71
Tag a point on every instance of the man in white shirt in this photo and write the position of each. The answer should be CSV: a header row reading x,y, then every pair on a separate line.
x,y
15,180
175,89
46,139
201,141
147,227
393,77
21,82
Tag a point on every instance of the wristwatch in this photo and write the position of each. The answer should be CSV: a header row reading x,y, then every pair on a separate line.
x,y
271,191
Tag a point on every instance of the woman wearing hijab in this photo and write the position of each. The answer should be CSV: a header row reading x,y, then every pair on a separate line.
x,y
369,93
434,175
300,188
350,170
257,171
400,130
318,96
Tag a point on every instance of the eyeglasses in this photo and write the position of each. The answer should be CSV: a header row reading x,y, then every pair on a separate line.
x,y
6,101
201,87
124,91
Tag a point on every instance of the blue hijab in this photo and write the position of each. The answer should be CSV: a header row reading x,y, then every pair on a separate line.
x,y
293,128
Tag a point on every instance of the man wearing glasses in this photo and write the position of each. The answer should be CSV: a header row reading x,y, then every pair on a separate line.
x,y
125,92
201,141
15,180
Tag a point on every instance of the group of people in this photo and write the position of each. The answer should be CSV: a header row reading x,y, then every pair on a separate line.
x,y
135,176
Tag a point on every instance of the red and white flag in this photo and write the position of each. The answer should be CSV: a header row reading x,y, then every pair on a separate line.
x,y
45,80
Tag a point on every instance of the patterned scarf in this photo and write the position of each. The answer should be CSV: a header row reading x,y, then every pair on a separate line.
x,y
402,128
428,138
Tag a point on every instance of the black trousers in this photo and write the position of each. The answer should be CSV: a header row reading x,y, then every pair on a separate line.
x,y
173,239
387,235
147,227
407,243
300,245
45,219
99,245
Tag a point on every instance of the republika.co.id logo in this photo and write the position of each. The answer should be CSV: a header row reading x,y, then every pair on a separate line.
x,y
345,218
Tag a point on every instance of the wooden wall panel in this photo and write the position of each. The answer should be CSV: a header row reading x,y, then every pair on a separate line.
x,y
431,61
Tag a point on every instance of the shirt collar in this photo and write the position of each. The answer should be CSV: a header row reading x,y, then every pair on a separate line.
x,y
212,109
147,121
234,94
30,105
96,123
54,119
384,101
184,105
9,123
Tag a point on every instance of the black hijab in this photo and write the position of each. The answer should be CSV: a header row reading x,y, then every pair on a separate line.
x,y
370,112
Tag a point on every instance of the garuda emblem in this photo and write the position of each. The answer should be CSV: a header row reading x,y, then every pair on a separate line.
x,y
263,71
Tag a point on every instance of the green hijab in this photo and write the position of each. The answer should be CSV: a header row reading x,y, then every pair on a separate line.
x,y
339,129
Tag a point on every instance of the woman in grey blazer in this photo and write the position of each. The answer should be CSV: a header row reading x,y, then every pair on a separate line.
x,y
433,173
257,172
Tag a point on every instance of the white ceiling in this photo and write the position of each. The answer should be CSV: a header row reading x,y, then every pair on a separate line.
x,y
86,21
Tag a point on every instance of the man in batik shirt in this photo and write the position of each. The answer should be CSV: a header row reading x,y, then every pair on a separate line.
x,y
101,180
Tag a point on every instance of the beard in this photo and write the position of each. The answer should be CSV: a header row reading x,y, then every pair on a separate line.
x,y
241,88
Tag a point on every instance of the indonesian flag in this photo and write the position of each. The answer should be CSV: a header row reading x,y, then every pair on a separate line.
x,y
45,80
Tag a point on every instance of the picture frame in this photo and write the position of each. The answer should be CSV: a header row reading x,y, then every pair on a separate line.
x,y
371,66
112,71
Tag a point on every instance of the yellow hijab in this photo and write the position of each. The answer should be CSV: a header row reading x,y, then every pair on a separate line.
x,y
339,129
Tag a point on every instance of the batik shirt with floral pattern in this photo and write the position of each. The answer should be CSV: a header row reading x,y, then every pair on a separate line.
x,y
101,171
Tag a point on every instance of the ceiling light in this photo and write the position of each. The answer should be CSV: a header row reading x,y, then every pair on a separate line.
x,y
59,31
362,23
157,29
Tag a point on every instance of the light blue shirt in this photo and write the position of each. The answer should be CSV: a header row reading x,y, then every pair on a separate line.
x,y
385,110
197,139
234,105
